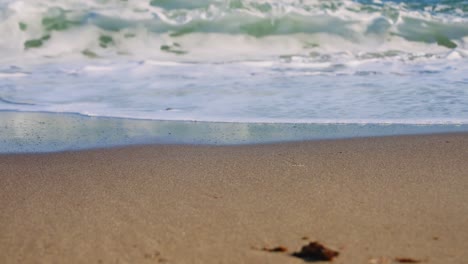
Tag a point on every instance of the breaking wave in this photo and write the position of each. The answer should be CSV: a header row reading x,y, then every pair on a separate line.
x,y
207,30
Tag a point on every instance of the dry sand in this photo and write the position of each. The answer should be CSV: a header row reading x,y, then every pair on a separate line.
x,y
372,199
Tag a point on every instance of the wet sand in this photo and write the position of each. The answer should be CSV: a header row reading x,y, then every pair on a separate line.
x,y
373,200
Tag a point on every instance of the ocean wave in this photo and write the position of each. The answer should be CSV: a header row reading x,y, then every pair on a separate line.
x,y
305,61
226,30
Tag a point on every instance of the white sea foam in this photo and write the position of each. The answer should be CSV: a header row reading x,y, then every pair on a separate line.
x,y
373,92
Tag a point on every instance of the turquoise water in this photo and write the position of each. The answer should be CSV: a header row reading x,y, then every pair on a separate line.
x,y
308,62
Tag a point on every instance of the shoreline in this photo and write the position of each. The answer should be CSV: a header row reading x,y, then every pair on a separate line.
x,y
372,199
28,132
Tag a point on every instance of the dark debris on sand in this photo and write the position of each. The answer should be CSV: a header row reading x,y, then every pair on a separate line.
x,y
276,249
407,260
315,251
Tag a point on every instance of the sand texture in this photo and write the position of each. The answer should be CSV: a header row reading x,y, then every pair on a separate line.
x,y
372,200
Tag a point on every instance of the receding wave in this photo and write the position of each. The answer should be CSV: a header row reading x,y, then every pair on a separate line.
x,y
2,100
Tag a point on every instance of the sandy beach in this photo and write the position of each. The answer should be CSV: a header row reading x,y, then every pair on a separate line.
x,y
375,200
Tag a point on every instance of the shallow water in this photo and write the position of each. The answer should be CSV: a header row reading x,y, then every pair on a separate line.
x,y
22,132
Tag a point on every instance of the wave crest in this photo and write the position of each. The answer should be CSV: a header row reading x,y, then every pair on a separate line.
x,y
236,29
